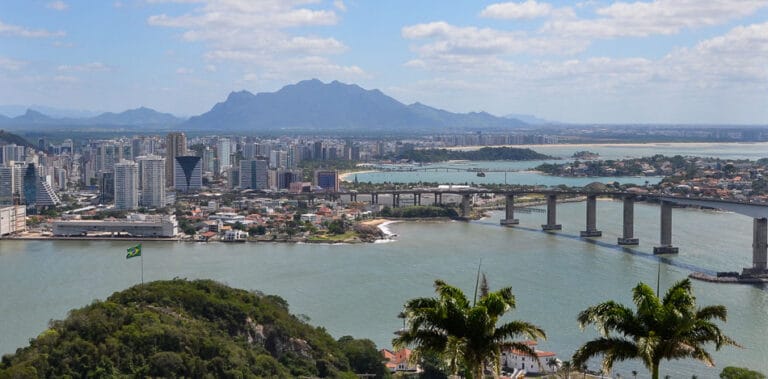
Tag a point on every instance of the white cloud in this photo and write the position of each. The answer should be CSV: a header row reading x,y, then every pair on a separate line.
x,y
339,4
658,17
20,31
57,5
85,67
11,64
185,71
65,79
514,10
448,40
258,33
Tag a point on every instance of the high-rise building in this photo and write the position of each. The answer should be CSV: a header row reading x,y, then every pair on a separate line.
x,y
175,146
7,185
223,151
254,174
126,185
328,180
12,153
106,187
152,179
286,177
188,173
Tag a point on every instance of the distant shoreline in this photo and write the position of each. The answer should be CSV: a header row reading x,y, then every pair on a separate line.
x,y
608,144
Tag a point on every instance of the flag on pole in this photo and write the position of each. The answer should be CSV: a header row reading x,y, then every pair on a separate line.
x,y
134,251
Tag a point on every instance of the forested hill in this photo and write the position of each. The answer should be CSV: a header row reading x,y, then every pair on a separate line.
x,y
483,154
193,329
10,138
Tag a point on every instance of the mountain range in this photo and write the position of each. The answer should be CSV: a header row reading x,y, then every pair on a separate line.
x,y
140,117
307,105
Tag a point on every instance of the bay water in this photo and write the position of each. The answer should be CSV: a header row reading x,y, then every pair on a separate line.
x,y
359,289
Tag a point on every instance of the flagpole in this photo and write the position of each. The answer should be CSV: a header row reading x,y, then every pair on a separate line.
x,y
142,269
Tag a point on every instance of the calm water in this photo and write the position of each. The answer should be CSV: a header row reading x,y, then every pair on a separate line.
x,y
523,175
360,289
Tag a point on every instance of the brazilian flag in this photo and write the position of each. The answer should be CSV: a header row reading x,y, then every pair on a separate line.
x,y
134,251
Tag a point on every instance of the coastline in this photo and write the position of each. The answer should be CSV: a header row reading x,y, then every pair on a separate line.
x,y
607,144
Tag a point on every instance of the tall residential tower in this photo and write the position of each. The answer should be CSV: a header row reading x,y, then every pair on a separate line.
x,y
175,146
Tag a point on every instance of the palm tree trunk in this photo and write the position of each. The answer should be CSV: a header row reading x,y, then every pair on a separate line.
x,y
655,370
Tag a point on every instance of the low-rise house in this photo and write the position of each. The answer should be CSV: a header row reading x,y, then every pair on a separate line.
x,y
513,359
399,361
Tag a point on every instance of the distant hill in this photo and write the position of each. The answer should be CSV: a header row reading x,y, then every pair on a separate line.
x,y
312,104
136,117
10,138
530,119
139,117
193,329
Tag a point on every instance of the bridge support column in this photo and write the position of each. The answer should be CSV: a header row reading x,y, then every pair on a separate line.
x,y
666,231
395,200
629,223
374,198
759,248
465,207
591,218
438,198
509,218
551,214
352,197
416,199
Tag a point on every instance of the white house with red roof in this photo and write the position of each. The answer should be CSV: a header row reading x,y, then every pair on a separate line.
x,y
399,361
513,359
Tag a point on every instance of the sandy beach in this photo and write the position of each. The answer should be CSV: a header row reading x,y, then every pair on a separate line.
x,y
345,176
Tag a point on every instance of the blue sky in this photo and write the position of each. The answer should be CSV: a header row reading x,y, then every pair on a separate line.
x,y
654,61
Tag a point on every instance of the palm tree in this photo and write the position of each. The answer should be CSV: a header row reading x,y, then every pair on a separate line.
x,y
668,328
465,335
552,363
566,366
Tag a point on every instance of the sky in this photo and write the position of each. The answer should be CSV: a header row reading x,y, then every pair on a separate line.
x,y
656,61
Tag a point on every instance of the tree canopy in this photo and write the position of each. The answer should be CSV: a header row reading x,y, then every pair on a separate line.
x,y
672,327
183,328
463,333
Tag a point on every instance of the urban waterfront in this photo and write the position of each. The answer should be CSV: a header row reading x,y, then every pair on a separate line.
x,y
359,289
520,172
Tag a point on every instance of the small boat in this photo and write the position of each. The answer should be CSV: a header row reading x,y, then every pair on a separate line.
x,y
481,174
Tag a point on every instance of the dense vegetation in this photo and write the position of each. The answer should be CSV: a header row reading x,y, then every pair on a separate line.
x,y
199,329
11,138
484,154
419,211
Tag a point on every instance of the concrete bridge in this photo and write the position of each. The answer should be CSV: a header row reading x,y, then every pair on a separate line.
x,y
759,212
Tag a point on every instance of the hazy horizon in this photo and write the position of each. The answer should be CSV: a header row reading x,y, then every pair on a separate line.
x,y
645,62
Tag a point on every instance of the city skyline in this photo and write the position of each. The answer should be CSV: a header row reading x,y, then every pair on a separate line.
x,y
603,62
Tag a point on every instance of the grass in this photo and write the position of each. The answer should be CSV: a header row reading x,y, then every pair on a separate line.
x,y
334,237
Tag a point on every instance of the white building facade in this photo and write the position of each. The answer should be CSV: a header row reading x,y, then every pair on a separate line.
x,y
126,185
152,179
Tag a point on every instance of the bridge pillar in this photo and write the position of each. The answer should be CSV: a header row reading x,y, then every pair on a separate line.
x,y
666,231
438,198
551,214
629,223
374,198
759,248
416,199
395,200
352,197
465,207
591,218
509,218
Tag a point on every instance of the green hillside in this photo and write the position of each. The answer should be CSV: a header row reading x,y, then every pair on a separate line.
x,y
199,329
10,138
